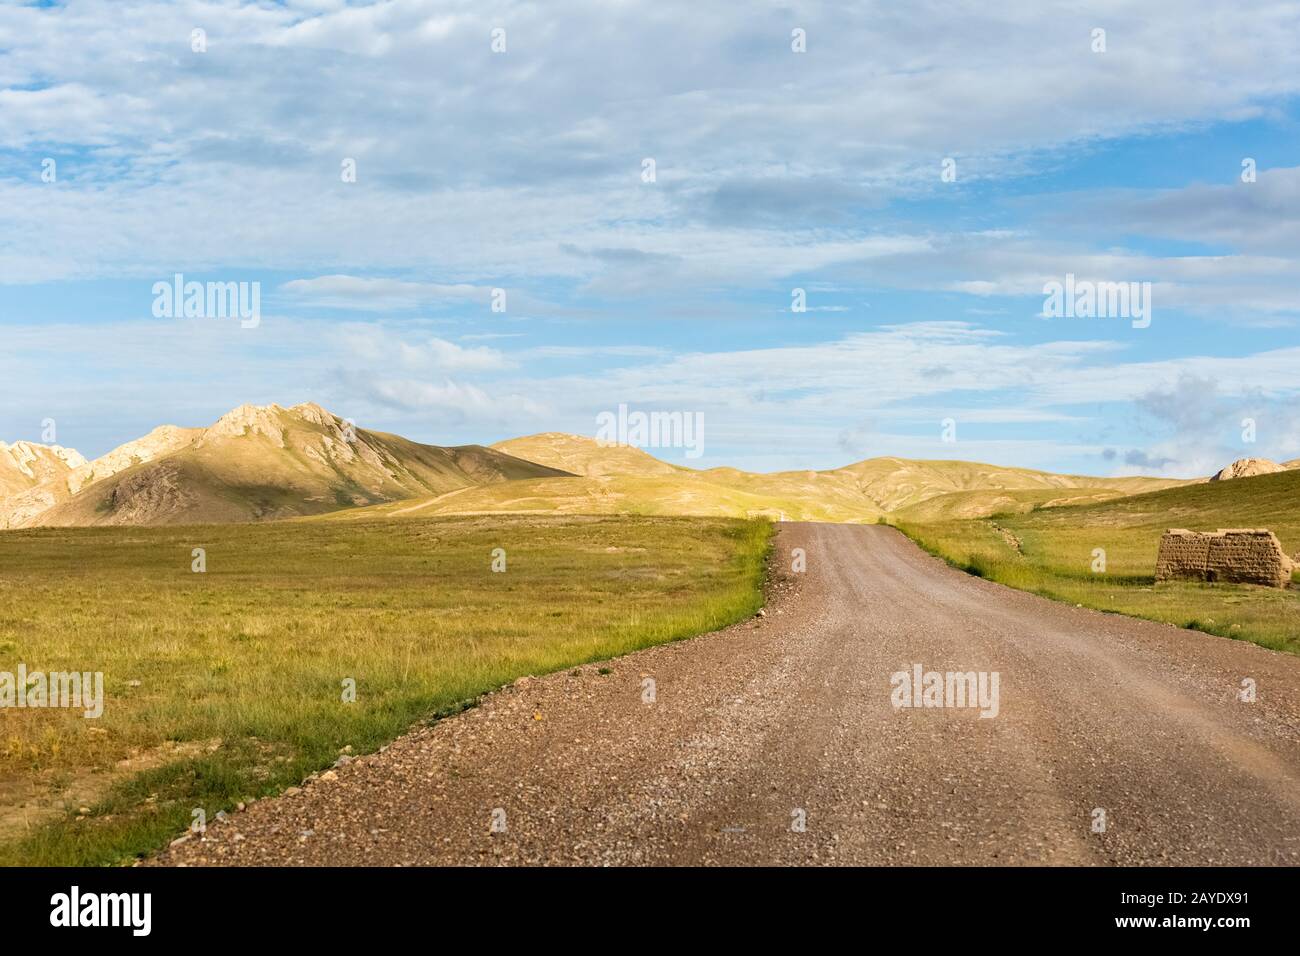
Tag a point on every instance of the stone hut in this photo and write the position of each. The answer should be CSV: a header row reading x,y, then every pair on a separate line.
x,y
1231,555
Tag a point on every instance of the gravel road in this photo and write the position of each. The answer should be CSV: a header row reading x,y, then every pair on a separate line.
x,y
776,742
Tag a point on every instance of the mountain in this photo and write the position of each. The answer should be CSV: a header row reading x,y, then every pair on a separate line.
x,y
27,472
25,464
257,463
266,462
26,507
620,479
163,440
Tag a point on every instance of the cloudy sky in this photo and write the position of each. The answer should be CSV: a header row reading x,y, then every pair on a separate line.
x,y
133,149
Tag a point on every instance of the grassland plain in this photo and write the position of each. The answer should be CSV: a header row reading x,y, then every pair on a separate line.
x,y
1051,552
228,684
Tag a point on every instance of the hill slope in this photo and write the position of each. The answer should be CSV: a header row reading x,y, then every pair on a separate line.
x,y
257,463
1249,468
584,456
25,464
1263,501
1103,554
27,472
26,507
623,480
985,502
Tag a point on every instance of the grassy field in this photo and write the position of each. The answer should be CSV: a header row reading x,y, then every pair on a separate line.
x,y
1050,552
229,684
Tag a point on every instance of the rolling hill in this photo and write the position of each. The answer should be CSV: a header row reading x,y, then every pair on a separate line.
x,y
579,455
985,502
1262,501
624,480
257,463
1251,467
1103,554
268,462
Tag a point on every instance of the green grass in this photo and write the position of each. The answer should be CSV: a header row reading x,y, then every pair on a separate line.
x,y
240,669
1055,555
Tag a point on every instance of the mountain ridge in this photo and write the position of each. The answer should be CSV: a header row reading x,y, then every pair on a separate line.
x,y
255,463
263,462
620,479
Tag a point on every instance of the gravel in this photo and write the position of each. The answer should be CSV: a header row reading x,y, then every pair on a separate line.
x,y
775,742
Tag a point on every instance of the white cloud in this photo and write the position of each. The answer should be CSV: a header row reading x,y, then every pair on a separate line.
x,y
790,403
380,345
522,171
473,165
351,292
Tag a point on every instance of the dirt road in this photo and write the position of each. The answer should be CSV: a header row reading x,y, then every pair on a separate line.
x,y
777,741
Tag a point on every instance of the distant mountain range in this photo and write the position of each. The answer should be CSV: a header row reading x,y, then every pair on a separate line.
x,y
627,479
254,463
265,462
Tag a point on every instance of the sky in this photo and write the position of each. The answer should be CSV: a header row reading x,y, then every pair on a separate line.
x,y
652,187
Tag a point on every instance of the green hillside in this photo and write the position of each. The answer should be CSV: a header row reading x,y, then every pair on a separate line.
x,y
1050,551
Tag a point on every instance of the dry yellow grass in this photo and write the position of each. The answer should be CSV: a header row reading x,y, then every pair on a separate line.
x,y
1052,552
229,683
623,480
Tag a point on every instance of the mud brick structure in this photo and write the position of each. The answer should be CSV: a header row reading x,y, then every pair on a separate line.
x,y
1231,555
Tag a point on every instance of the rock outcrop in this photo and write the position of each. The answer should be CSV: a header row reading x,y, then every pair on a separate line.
x,y
1229,555
32,477
36,478
1248,468
25,464
162,441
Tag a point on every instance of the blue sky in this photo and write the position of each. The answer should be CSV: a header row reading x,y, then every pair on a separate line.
x,y
774,170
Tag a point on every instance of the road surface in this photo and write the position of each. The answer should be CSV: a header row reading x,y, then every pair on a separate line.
x,y
777,741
